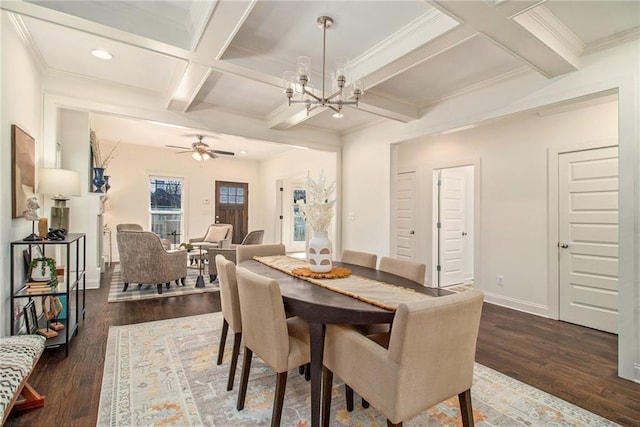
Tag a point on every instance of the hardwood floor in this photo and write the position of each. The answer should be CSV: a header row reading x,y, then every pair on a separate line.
x,y
574,363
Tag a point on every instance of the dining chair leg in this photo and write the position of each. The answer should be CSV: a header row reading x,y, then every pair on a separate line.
x,y
365,404
466,410
244,378
124,289
223,340
301,369
278,398
182,280
237,338
167,284
390,424
327,385
348,397
159,285
307,372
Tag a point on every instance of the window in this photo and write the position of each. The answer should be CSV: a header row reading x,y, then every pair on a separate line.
x,y
166,210
299,223
231,195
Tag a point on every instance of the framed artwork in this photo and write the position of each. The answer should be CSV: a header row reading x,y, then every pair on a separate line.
x,y
23,157
30,317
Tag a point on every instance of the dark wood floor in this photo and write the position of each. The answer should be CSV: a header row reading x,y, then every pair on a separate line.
x,y
574,363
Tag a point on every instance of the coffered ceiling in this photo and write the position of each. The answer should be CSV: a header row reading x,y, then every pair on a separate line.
x,y
229,55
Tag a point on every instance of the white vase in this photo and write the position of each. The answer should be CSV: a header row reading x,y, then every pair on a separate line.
x,y
319,254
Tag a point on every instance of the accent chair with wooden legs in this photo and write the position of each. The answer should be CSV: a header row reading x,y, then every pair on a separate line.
x,y
362,259
144,260
404,268
230,313
427,358
281,343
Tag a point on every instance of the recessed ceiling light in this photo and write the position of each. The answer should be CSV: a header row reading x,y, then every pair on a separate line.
x,y
243,152
102,54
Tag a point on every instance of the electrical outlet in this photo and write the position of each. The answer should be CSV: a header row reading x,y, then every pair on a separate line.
x,y
500,280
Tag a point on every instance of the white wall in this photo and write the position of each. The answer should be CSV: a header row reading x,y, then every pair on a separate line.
x,y
513,194
73,131
615,70
20,89
128,198
293,164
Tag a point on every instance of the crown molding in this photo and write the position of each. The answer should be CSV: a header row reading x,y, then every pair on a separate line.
x,y
25,35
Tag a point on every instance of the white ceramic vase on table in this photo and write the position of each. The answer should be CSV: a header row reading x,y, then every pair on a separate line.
x,y
319,253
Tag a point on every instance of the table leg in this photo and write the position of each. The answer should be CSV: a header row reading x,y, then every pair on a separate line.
x,y
316,334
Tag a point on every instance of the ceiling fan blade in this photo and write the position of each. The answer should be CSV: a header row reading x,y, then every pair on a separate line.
x,y
226,153
175,146
212,154
186,151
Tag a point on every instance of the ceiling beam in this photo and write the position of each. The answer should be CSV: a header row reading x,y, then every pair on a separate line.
x,y
521,29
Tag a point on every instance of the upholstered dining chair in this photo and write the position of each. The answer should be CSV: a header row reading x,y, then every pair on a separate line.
x,y
404,268
427,357
144,260
281,343
217,235
253,238
362,259
166,243
247,252
230,313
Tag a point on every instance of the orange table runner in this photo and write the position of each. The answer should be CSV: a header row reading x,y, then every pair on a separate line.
x,y
380,294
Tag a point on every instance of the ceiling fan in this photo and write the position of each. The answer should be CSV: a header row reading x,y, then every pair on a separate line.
x,y
201,151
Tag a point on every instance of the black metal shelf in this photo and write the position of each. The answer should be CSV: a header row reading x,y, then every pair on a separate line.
x,y
74,281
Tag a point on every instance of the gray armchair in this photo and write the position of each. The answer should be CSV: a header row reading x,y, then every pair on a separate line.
x,y
166,243
216,236
144,260
253,238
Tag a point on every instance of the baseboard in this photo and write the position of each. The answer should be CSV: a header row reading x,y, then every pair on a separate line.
x,y
517,304
92,284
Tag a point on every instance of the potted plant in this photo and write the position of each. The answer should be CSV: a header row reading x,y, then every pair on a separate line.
x,y
43,268
187,246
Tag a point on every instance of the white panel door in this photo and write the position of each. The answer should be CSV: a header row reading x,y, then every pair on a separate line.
x,y
588,238
405,215
452,221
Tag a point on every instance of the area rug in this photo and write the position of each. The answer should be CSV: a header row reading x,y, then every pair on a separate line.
x,y
164,373
151,291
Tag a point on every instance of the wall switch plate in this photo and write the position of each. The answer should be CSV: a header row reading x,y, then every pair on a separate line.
x,y
500,280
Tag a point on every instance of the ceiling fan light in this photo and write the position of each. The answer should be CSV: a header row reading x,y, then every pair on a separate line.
x,y
338,115
196,156
205,156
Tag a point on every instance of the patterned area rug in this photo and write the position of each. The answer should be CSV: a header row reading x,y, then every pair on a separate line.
x,y
151,291
164,373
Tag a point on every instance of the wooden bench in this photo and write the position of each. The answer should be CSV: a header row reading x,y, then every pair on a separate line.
x,y
18,355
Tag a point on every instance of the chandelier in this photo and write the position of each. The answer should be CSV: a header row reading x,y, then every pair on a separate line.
x,y
299,83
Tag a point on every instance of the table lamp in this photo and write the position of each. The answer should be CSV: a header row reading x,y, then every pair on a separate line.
x,y
60,183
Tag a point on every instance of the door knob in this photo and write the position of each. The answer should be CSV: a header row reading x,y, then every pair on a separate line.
x,y
464,233
412,232
563,245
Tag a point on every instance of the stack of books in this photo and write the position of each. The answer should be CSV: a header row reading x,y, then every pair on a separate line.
x,y
42,287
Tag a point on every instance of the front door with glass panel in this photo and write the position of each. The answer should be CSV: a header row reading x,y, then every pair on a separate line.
x,y
232,207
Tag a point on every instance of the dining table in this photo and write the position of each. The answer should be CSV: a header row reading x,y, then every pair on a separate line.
x,y
320,306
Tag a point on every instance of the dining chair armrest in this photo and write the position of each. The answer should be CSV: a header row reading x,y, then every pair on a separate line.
x,y
353,357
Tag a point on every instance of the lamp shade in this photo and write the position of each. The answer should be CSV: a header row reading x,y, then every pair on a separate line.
x,y
59,182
